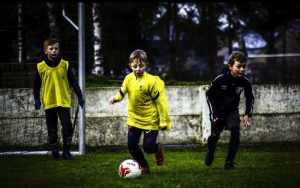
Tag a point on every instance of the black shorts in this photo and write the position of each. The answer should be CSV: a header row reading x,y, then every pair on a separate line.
x,y
228,122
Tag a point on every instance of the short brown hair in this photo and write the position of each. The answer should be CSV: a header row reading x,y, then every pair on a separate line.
x,y
49,41
139,55
237,56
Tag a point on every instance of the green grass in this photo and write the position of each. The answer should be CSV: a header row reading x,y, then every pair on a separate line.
x,y
261,166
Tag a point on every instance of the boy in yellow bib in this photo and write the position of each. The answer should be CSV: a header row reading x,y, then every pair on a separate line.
x,y
54,76
147,110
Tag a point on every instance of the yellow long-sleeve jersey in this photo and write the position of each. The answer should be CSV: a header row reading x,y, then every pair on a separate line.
x,y
147,104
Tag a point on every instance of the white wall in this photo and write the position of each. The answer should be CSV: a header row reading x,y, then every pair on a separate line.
x,y
276,116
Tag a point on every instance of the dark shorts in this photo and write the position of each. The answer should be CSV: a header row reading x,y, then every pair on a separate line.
x,y
228,122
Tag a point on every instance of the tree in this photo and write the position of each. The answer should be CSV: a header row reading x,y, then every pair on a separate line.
x,y
52,20
209,32
238,29
123,31
98,57
21,34
169,30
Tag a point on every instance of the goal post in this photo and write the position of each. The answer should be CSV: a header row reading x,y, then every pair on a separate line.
x,y
81,69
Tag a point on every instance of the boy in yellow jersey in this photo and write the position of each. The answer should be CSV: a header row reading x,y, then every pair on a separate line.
x,y
54,76
147,110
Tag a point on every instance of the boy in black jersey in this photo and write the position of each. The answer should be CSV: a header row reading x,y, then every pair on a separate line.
x,y
223,99
54,76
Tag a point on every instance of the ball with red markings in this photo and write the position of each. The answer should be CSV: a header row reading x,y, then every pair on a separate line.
x,y
130,168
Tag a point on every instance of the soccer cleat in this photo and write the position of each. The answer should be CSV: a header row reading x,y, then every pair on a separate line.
x,y
55,156
209,158
145,169
159,155
229,166
67,155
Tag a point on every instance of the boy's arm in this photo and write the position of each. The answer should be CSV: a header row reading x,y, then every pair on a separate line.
x,y
160,107
74,83
249,100
37,86
36,90
249,104
121,94
210,94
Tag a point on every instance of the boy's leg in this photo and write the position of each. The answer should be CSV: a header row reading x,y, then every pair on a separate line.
x,y
232,149
67,132
150,146
216,129
233,124
134,135
51,120
159,155
149,142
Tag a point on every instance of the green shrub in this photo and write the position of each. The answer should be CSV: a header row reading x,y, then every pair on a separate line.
x,y
100,81
181,83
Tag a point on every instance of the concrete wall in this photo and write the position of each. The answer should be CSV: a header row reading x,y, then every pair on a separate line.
x,y
276,116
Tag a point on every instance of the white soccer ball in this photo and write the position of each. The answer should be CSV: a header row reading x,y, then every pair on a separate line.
x,y
130,168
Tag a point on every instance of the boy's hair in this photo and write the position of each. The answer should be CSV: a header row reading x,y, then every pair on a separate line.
x,y
237,56
49,41
139,55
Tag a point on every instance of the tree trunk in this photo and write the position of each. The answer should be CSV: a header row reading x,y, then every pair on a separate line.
x,y
284,59
98,57
169,39
209,38
229,33
52,20
21,35
238,31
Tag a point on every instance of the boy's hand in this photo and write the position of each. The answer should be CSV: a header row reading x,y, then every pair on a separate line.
x,y
214,120
112,100
81,101
246,121
162,128
37,104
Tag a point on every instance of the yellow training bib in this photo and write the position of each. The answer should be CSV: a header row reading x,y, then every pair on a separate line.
x,y
55,85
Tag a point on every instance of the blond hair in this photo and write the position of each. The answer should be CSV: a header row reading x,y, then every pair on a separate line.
x,y
138,55
49,42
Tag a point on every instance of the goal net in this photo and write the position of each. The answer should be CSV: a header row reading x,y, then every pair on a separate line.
x,y
24,27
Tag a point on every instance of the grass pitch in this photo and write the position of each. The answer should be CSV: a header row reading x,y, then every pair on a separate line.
x,y
258,165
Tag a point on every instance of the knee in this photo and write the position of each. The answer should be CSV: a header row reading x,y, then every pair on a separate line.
x,y
67,131
132,147
66,124
52,135
214,138
147,149
150,148
235,138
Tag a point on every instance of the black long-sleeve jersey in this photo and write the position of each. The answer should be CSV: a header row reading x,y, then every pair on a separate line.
x,y
223,96
71,78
